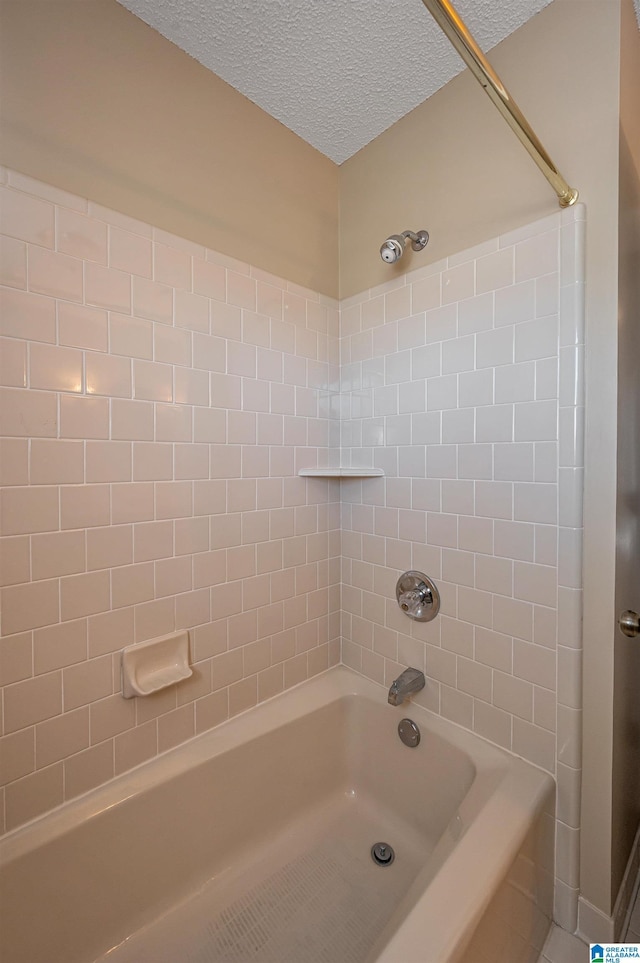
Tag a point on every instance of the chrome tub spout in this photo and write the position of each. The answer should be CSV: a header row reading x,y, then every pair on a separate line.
x,y
411,680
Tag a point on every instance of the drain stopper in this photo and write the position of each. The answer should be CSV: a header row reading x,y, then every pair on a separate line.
x,y
382,854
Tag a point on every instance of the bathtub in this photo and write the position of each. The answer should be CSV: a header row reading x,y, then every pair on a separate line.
x,y
253,842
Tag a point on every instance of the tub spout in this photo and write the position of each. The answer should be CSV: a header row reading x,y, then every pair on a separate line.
x,y
411,680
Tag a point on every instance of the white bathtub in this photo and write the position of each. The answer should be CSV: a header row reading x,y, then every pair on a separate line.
x,y
252,842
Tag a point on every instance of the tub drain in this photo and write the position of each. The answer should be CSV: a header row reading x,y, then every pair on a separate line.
x,y
382,854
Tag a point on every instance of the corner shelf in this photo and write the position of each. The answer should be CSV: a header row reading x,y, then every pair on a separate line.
x,y
341,472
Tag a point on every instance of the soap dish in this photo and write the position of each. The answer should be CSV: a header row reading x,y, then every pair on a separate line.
x,y
156,664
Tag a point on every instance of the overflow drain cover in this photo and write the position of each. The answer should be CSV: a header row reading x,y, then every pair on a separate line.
x,y
382,854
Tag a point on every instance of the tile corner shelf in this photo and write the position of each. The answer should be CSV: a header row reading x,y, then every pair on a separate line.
x,y
341,472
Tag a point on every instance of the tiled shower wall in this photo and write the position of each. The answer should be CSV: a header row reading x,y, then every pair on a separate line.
x,y
463,381
158,400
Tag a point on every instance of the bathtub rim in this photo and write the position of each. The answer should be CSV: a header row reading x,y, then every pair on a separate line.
x,y
312,694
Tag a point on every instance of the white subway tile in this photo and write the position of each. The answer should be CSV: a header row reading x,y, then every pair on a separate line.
x,y
411,397
107,288
513,462
514,540
397,367
190,311
27,218
535,503
81,236
547,379
54,274
442,393
495,270
572,314
535,744
571,380
513,695
494,575
173,346
475,606
131,337
475,461
515,383
494,499
513,617
475,388
412,331
569,616
129,252
458,426
570,496
425,294
397,304
457,496
171,265
495,347
442,323
458,283
475,534
441,462
535,583
29,316
13,363
108,375
458,355
425,363
536,421
546,461
537,256
546,539
515,304
442,529
475,314
547,295
536,339
494,423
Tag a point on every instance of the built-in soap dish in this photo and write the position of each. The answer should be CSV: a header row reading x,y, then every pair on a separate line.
x,y
156,664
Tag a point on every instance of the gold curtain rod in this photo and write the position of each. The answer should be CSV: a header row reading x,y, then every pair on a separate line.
x,y
450,22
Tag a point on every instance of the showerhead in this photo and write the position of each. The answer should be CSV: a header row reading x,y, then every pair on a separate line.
x,y
393,248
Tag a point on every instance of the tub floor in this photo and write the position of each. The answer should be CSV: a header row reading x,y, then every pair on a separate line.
x,y
311,895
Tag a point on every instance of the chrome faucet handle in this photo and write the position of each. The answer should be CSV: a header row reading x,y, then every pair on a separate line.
x,y
410,600
418,596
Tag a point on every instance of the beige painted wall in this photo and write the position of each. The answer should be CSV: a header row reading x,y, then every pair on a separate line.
x,y
626,718
453,167
96,102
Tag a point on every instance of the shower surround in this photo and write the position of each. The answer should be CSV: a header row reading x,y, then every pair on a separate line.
x,y
158,402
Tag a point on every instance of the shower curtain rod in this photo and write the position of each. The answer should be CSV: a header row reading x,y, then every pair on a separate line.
x,y
450,22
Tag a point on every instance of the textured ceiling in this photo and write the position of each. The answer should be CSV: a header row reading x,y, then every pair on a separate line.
x,y
337,72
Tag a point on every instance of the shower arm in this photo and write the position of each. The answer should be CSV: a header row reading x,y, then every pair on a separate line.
x,y
451,23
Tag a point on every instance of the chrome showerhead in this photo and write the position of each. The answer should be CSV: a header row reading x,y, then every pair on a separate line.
x,y
393,248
